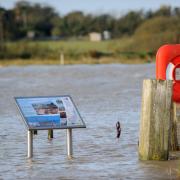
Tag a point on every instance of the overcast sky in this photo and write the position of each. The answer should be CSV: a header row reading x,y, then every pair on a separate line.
x,y
115,7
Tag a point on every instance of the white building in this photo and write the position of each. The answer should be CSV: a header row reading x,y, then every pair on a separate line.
x,y
106,35
95,36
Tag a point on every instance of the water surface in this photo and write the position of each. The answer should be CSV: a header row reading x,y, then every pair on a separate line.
x,y
103,94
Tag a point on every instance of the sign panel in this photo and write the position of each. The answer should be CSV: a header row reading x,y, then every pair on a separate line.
x,y
55,112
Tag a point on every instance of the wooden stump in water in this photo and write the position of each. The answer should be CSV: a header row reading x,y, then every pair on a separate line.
x,y
50,134
155,120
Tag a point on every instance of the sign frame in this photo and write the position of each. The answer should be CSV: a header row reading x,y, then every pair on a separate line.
x,y
48,128
30,130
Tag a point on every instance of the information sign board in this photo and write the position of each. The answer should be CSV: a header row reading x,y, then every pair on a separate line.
x,y
49,112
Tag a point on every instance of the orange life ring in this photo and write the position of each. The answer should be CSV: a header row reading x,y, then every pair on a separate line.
x,y
167,62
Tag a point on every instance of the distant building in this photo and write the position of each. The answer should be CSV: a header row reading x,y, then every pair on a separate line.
x,y
95,36
106,35
31,34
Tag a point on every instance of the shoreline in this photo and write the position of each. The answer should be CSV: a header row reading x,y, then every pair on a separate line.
x,y
85,61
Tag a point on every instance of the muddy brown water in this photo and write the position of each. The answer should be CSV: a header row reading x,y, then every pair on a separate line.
x,y
103,94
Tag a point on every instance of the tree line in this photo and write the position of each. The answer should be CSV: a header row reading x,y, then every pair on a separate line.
x,y
44,21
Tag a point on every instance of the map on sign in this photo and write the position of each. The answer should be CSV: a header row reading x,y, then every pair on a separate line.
x,y
56,112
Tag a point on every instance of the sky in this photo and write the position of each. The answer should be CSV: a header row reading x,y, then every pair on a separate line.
x,y
116,7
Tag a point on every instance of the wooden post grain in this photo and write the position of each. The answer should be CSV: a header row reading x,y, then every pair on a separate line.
x,y
155,120
173,132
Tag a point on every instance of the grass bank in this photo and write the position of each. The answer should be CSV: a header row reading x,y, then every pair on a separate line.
x,y
73,52
22,62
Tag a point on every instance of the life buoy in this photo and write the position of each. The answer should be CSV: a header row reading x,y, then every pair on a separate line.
x,y
167,63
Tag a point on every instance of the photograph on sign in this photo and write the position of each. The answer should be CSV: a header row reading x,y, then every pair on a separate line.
x,y
49,112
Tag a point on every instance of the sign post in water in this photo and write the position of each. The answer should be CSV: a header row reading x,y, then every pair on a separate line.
x,y
49,113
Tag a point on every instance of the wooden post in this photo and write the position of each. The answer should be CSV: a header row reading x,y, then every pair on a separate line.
x,y
155,120
50,134
61,58
173,132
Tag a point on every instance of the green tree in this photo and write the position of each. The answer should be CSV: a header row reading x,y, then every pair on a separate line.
x,y
163,11
34,17
73,22
155,32
126,25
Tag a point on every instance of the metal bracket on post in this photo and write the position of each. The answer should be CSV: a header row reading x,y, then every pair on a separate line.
x,y
30,143
69,143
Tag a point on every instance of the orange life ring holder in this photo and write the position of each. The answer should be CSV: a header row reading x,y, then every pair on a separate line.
x,y
167,61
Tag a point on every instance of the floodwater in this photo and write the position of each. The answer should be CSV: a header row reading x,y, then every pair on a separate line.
x,y
104,94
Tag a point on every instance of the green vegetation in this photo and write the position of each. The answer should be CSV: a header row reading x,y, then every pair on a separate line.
x,y
27,32
45,22
74,52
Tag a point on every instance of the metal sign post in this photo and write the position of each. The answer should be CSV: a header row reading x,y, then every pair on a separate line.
x,y
30,143
69,144
49,113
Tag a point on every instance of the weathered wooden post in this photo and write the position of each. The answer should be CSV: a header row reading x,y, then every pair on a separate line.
x,y
155,120
61,58
50,134
173,132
